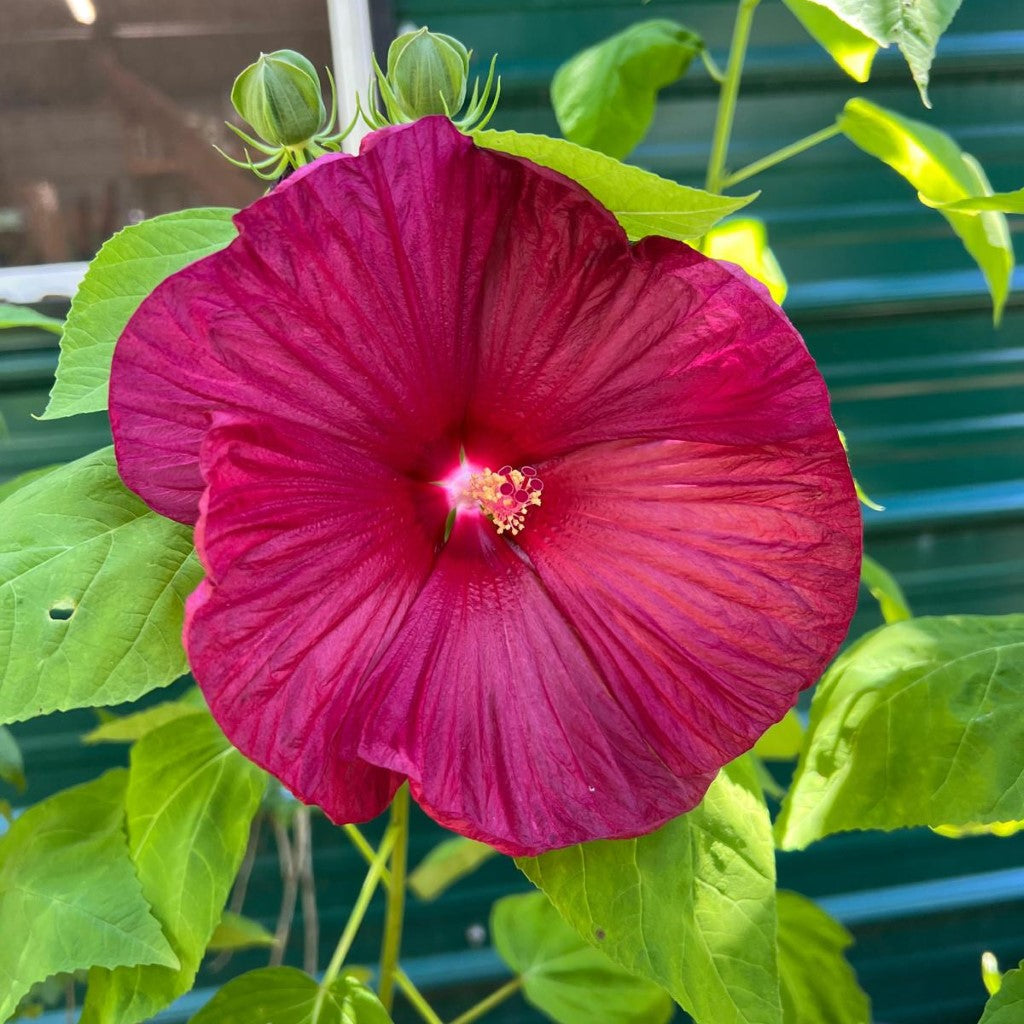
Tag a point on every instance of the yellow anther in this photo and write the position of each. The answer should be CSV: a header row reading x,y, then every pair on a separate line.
x,y
505,496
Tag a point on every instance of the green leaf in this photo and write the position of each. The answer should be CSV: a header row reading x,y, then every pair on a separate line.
x,y
690,906
191,798
563,976
817,982
783,741
1007,1005
129,728
915,26
918,723
1003,202
744,241
643,203
850,48
92,592
936,166
285,995
12,767
8,487
125,270
604,96
23,316
446,863
885,590
238,932
68,889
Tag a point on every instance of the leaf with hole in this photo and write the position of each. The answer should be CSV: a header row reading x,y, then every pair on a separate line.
x,y
286,995
564,976
934,164
125,270
68,887
92,592
818,984
690,906
643,203
191,798
918,723
604,97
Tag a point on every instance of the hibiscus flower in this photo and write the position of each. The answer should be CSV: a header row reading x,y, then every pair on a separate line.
x,y
551,524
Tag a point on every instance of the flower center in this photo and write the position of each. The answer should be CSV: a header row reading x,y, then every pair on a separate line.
x,y
504,496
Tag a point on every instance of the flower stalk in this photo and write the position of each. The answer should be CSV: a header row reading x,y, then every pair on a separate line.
x,y
727,98
359,908
395,912
490,1002
779,155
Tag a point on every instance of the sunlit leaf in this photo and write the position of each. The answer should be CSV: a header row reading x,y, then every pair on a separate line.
x,y
604,97
129,728
68,891
991,975
850,48
92,592
643,203
23,316
915,26
885,590
446,863
744,241
918,723
1003,202
936,166
285,995
818,984
690,906
125,270
783,741
1007,1005
995,828
191,799
564,976
234,931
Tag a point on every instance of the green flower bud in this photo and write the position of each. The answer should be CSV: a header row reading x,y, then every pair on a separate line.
x,y
428,72
280,97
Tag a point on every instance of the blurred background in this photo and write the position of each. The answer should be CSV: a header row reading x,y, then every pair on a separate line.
x,y
108,109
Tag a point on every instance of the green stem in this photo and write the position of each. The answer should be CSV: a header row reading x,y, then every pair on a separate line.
x,y
395,912
712,67
485,1005
415,997
793,149
359,908
362,844
728,95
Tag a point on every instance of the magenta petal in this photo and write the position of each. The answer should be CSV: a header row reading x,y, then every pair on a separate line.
x,y
313,554
710,584
501,717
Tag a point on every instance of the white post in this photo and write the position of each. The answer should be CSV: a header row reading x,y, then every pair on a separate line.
x,y
352,52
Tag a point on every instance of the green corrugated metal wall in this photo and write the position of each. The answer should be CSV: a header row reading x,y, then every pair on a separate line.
x,y
929,394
